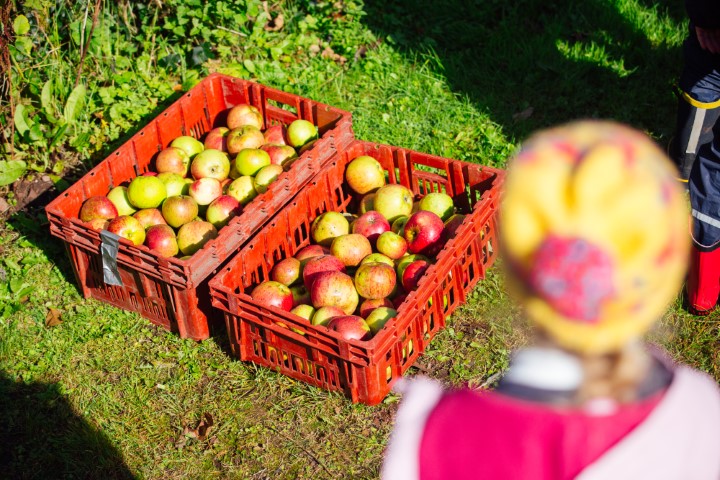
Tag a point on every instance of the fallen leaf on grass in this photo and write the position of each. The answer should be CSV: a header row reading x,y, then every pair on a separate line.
x,y
199,433
53,317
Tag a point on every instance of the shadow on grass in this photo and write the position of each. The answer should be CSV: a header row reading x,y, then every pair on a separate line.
x,y
530,64
42,438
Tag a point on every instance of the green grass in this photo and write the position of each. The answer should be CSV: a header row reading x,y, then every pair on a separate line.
x,y
104,394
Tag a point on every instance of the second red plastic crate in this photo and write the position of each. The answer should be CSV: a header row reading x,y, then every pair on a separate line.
x,y
363,370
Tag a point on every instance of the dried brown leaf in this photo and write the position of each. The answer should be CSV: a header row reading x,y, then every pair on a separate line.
x,y
275,24
53,317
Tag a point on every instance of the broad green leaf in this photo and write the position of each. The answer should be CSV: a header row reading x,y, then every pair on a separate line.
x,y
21,26
35,133
250,65
21,121
74,103
11,170
46,98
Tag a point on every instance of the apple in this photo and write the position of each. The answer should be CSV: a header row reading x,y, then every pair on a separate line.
x,y
205,190
440,203
364,175
413,273
318,265
424,233
451,226
403,262
304,311
398,226
378,257
287,271
265,176
244,137
306,147
210,164
99,223
273,294
351,248
173,160
300,132
161,239
149,174
174,184
280,154
334,289
249,161
118,196
371,224
368,305
367,202
393,201
392,245
375,280
244,114
98,207
191,145
149,217
350,327
311,251
222,210
127,227
217,139
323,315
146,192
276,134
179,210
379,317
242,189
300,294
194,235
327,226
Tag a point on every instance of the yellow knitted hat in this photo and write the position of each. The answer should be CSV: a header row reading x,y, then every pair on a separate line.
x,y
594,230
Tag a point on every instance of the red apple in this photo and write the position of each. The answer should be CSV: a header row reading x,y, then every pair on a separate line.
x,y
210,163
222,210
440,203
127,227
205,190
451,226
413,273
368,305
311,251
217,139
279,154
191,145
393,201
392,245
334,289
249,161
379,317
179,210
350,327
244,114
375,280
403,262
364,175
146,192
286,271
351,248
194,235
323,315
244,137
371,224
301,132
327,226
378,257
424,233
173,160
367,202
96,207
149,217
161,238
300,295
273,294
242,189
276,134
99,223
318,265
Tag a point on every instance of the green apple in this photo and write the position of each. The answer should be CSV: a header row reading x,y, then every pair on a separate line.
x,y
265,176
191,145
119,197
146,192
175,184
364,175
393,201
301,132
441,204
379,317
242,189
250,160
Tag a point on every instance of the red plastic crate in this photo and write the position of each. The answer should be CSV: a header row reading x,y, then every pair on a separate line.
x,y
171,292
363,370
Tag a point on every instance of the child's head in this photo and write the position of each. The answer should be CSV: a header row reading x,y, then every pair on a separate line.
x,y
594,234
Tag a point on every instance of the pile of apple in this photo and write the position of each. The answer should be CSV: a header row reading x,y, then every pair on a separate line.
x,y
360,268
197,188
